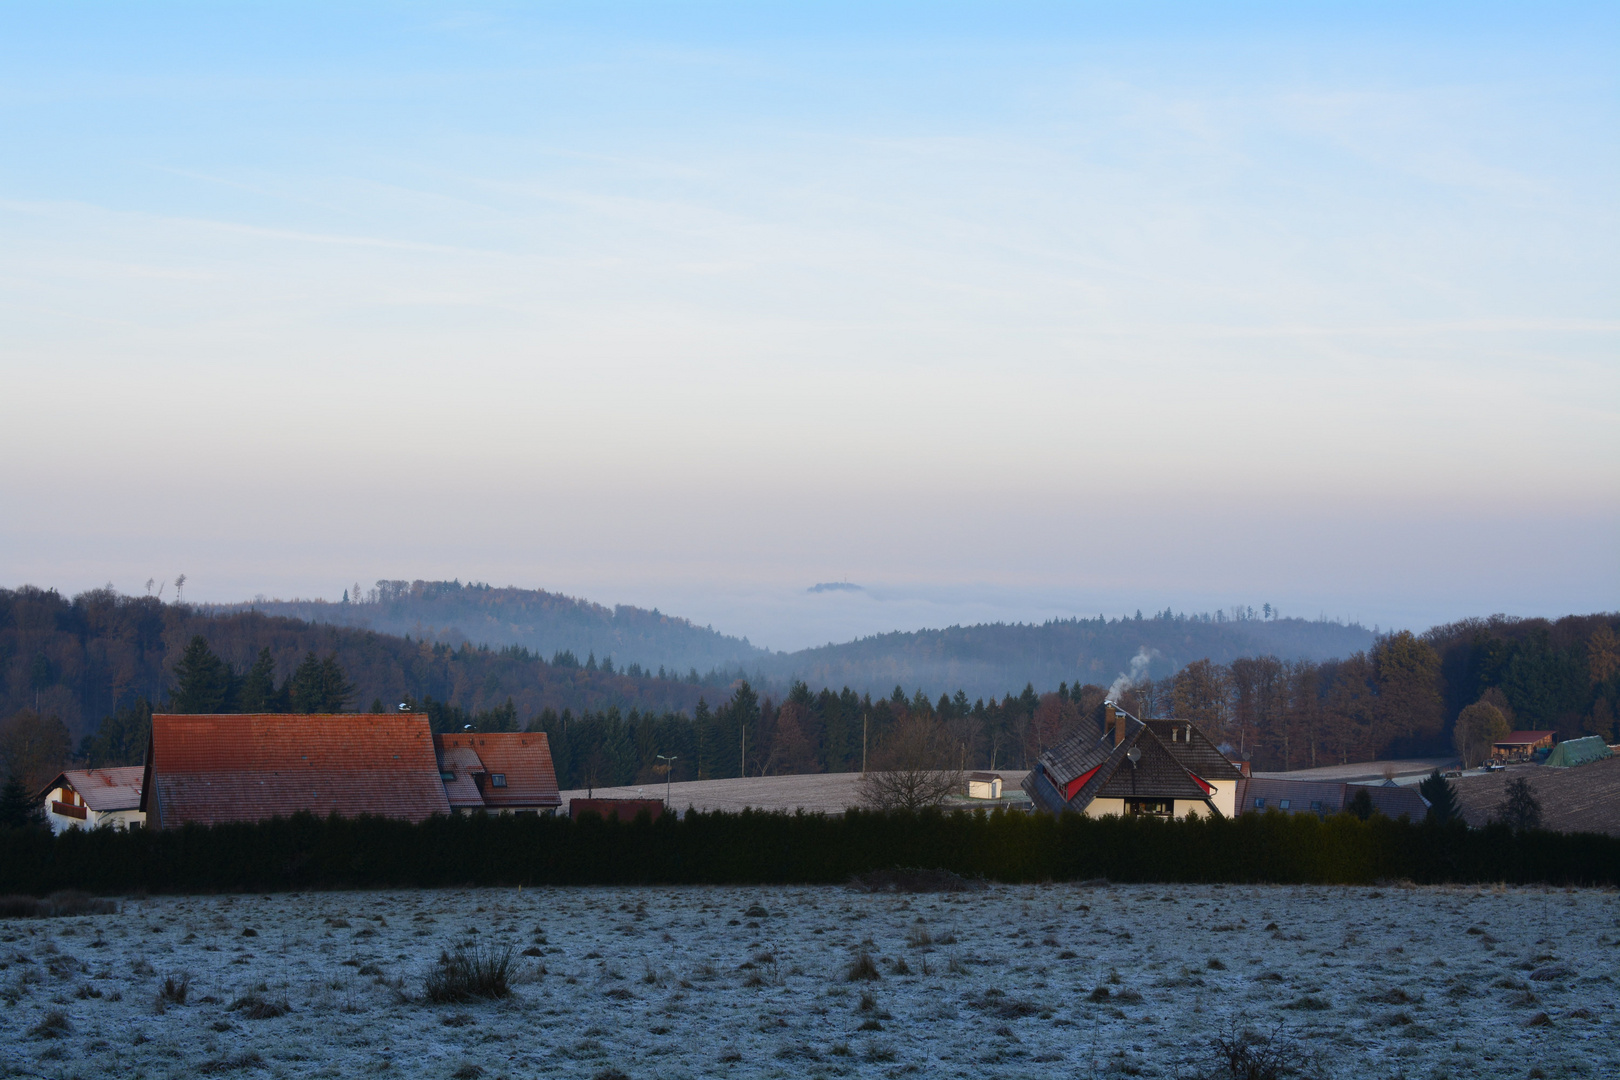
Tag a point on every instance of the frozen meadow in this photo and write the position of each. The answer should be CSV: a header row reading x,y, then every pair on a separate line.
x,y
1048,980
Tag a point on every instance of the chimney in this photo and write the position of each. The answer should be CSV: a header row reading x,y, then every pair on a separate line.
x,y
1116,720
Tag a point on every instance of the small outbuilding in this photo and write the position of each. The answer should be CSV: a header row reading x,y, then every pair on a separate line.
x,y
94,799
1522,745
984,785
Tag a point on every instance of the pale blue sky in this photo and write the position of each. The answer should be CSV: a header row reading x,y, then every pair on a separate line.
x,y
1009,311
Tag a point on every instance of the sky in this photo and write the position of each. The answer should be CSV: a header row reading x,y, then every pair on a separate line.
x,y
1001,311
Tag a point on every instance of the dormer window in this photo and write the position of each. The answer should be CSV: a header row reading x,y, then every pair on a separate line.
x,y
497,779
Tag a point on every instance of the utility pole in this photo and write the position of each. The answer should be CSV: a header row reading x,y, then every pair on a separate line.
x,y
669,774
742,759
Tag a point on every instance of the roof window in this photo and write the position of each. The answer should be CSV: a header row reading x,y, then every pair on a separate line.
x,y
497,779
1283,803
1259,804
1316,804
447,776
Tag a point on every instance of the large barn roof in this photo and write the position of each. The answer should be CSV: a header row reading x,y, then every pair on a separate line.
x,y
214,768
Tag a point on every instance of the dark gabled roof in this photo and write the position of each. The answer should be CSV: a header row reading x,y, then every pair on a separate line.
x,y
1156,775
1192,748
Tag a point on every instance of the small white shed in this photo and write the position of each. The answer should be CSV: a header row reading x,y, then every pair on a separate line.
x,y
984,785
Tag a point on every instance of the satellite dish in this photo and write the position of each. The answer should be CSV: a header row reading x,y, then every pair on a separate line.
x,y
466,727
404,707
1135,754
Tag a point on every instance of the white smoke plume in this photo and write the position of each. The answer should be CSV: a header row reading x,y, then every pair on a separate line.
x,y
1136,676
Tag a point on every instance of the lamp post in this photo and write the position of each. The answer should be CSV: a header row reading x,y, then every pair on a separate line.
x,y
668,774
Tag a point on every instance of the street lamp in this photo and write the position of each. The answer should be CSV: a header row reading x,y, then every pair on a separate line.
x,y
669,775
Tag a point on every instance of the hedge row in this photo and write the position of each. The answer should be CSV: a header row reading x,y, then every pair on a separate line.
x,y
771,848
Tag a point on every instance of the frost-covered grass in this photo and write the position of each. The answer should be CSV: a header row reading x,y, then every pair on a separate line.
x,y
1057,980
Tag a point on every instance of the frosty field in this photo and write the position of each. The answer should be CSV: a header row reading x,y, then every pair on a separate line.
x,y
1054,980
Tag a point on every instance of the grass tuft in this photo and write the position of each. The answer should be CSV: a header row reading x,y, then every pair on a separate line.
x,y
472,971
862,969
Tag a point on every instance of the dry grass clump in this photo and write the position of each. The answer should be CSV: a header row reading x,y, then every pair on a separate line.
x,y
53,1025
231,1062
471,972
862,969
175,988
56,905
1244,1054
255,1006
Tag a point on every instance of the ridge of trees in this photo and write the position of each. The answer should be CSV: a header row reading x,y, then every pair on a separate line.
x,y
87,673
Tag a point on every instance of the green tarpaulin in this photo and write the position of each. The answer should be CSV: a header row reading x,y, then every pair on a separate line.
x,y
1578,752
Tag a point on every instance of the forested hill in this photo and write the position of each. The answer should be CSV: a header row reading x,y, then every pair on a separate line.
x,y
80,660
450,613
994,659
987,660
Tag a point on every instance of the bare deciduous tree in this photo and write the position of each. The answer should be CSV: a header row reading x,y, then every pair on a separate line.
x,y
917,765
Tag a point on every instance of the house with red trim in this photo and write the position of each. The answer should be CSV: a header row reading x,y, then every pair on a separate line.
x,y
94,799
1156,768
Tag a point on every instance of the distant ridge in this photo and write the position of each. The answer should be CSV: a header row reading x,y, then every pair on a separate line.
x,y
449,612
984,660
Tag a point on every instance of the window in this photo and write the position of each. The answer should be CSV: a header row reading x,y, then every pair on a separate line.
x,y
1148,807
1283,804
497,779
447,776
1316,805
1259,804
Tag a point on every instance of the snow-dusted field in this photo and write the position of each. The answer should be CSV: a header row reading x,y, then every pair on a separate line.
x,y
1057,980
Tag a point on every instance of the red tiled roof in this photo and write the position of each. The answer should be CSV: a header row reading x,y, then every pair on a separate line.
x,y
460,764
214,768
103,790
523,758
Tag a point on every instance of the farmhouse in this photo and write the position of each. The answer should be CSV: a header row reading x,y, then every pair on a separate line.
x,y
94,798
213,768
1159,768
1522,745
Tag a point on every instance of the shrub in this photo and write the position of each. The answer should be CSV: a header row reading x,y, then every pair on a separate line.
x,y
53,1025
472,971
1243,1054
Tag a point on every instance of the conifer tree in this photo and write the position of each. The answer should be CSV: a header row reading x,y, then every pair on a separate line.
x,y
1361,804
1442,798
258,693
17,809
202,680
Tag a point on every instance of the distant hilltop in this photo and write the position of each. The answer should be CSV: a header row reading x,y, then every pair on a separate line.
x,y
987,659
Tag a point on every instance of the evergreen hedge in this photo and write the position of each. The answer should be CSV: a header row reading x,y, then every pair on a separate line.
x,y
304,852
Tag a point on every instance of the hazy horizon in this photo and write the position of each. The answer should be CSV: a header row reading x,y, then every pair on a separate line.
x,y
1005,313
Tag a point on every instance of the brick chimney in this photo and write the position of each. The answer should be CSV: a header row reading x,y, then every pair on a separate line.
x,y
1114,718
